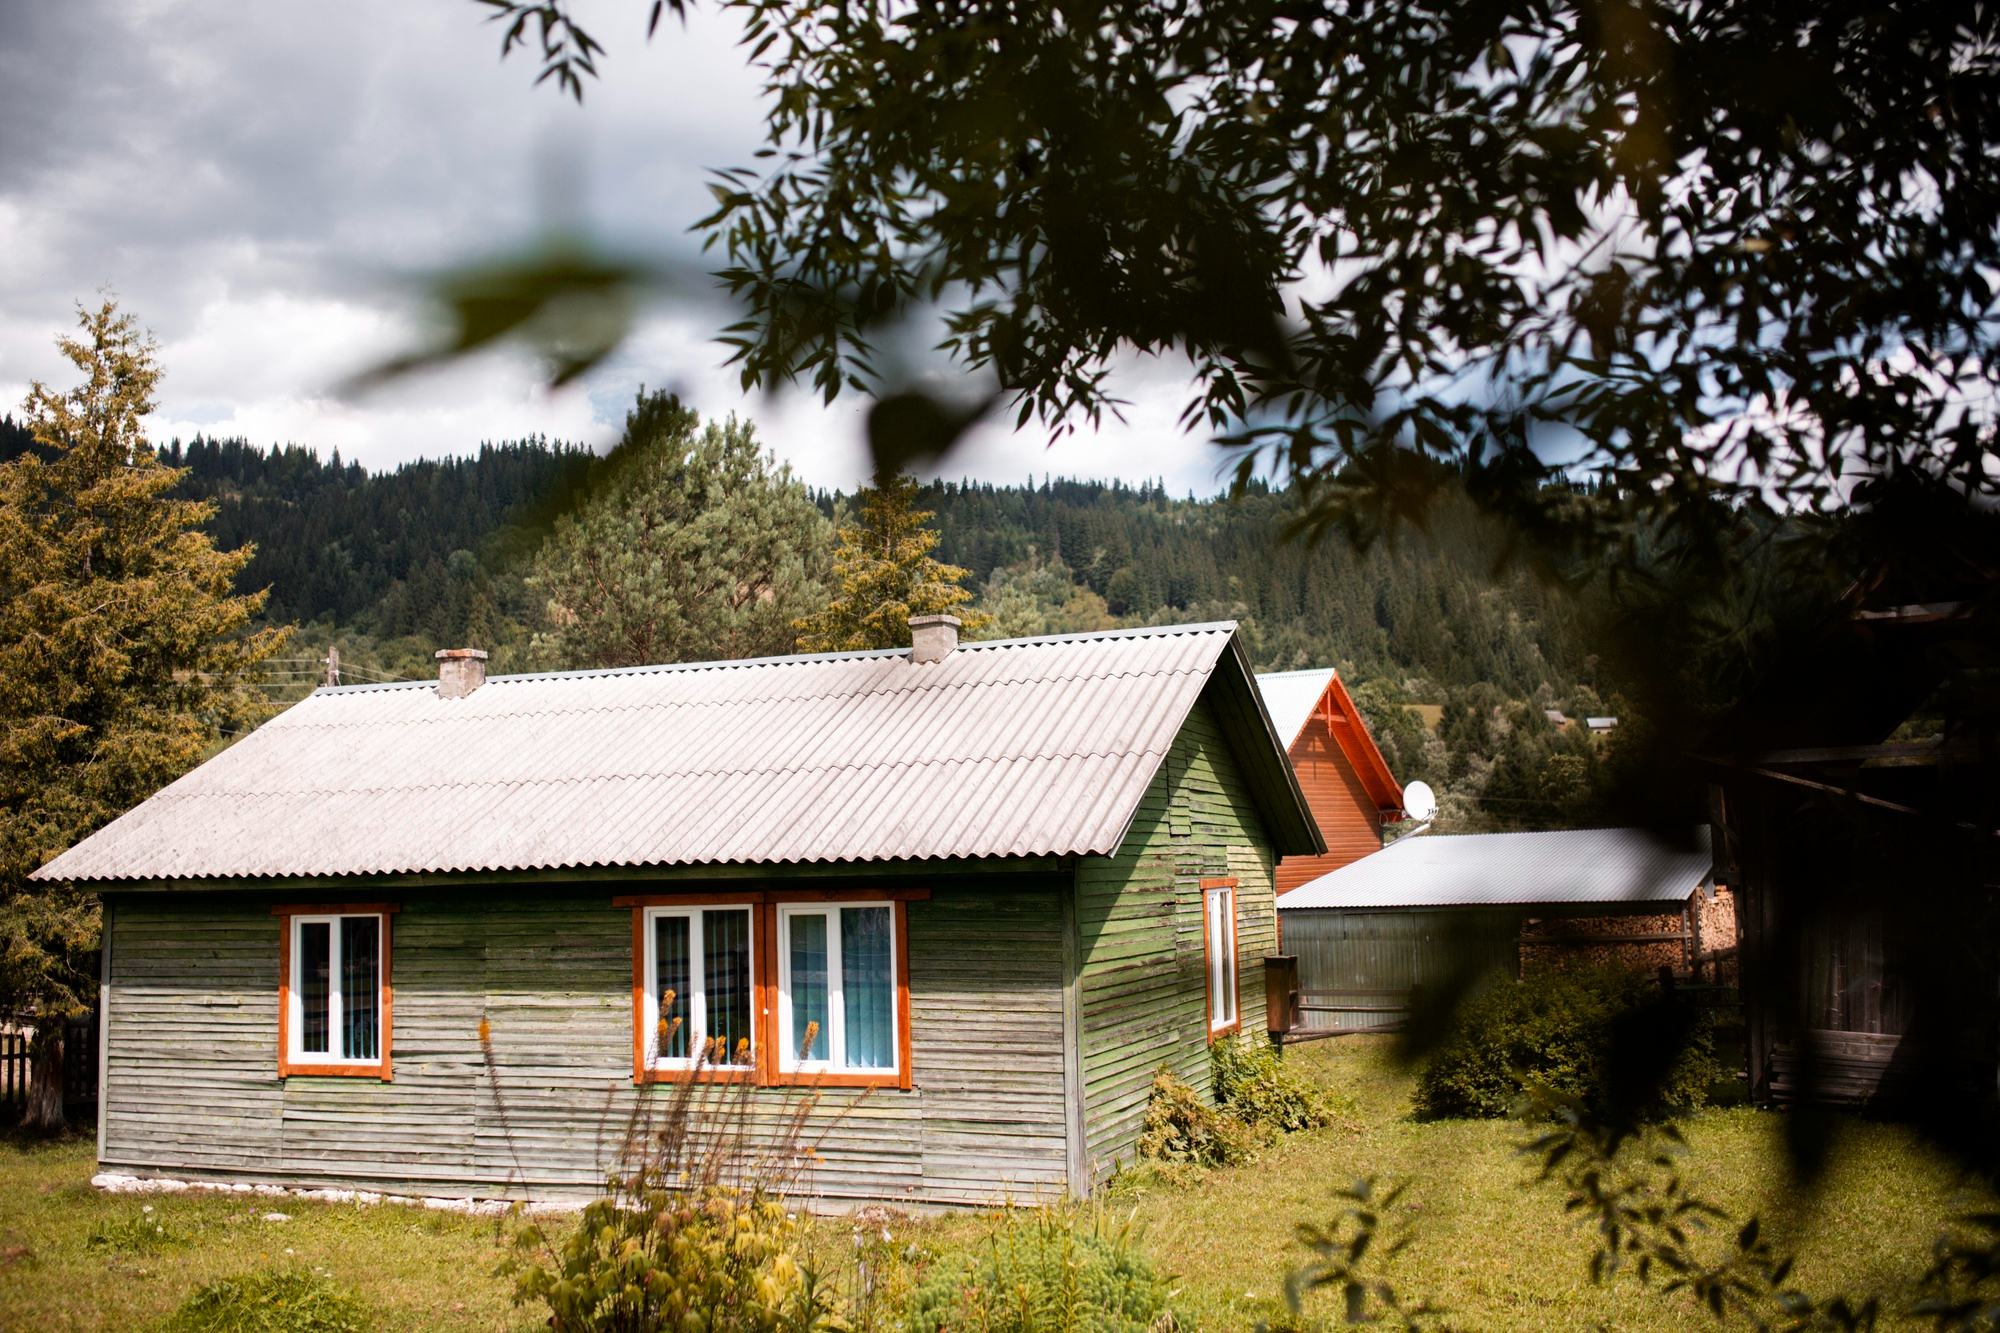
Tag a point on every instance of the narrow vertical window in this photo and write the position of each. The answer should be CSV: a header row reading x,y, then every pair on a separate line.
x,y
837,998
360,986
811,1033
1219,938
336,992
673,986
700,988
726,972
315,986
868,987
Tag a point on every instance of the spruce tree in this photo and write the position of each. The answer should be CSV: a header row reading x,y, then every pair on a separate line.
x,y
694,546
886,574
123,657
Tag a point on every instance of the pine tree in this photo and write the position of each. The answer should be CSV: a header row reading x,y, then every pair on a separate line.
x,y
123,656
886,575
696,546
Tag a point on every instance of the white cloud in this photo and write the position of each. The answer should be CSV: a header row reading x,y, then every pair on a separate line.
x,y
257,183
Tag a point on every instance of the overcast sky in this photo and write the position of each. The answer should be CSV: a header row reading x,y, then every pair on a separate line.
x,y
257,180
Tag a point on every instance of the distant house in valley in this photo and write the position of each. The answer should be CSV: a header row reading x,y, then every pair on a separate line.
x,y
974,894
1433,907
1343,774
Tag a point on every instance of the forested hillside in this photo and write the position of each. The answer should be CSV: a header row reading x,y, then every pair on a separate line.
x,y
391,566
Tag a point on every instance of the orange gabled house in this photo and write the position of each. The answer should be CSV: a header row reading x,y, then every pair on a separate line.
x,y
1346,781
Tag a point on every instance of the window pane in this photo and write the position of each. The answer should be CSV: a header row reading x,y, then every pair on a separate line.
x,y
725,971
314,978
672,960
360,987
811,1038
1218,991
868,1007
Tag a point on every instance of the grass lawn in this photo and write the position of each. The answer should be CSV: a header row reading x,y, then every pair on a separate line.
x,y
1499,1254
1494,1251
421,1270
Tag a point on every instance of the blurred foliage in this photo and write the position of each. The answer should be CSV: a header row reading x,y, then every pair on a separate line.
x,y
1627,1182
697,547
1352,1253
1605,1036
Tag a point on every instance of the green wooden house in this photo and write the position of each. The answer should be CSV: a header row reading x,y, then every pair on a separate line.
x,y
976,894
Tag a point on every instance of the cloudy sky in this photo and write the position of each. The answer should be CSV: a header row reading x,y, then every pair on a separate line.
x,y
258,181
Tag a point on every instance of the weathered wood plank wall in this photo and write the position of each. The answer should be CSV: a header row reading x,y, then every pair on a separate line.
x,y
191,1069
1139,918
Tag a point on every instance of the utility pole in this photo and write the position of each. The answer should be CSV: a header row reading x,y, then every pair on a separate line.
x,y
332,665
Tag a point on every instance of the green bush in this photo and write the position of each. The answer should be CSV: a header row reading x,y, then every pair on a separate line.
x,y
271,1300
1252,1079
1182,1128
1042,1271
1602,1035
714,1261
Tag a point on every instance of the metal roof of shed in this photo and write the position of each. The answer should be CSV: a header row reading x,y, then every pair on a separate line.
x,y
1291,696
1013,748
1605,865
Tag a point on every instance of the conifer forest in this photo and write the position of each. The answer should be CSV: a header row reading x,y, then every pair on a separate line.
x,y
1456,670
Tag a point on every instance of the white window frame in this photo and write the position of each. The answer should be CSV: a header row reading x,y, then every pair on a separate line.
x,y
336,998
834,1041
1219,1019
697,1017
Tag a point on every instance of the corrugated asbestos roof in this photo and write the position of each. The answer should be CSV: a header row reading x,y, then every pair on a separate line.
x,y
1603,865
1290,696
1014,748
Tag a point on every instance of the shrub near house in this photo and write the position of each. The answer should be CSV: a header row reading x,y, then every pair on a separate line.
x,y
1555,1028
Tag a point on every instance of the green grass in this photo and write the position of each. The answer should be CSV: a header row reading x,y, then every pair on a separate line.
x,y
413,1269
1498,1252
1493,1249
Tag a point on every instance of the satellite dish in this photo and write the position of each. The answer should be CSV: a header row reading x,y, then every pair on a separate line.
x,y
1419,801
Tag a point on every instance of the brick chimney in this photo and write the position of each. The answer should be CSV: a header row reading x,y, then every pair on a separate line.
x,y
460,671
933,638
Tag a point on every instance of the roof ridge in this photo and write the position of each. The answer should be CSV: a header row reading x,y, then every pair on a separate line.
x,y
792,659
166,794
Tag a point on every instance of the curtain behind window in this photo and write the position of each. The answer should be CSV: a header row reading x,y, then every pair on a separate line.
x,y
867,987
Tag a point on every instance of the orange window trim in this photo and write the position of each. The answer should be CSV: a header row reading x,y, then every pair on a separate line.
x,y
287,1068
757,897
765,1072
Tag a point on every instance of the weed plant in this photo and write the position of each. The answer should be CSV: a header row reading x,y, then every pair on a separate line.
x,y
1251,1077
692,1234
1045,1270
271,1300
144,1232
1257,1098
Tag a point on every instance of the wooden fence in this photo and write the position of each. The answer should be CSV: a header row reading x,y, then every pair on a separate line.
x,y
79,1065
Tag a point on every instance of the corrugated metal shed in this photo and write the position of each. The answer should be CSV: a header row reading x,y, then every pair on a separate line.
x,y
1015,748
1614,865
1290,697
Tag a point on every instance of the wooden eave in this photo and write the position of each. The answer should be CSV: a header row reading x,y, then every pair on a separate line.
x,y
1344,724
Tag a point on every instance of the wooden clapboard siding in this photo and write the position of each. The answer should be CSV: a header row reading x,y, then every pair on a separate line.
x,y
1139,922
191,1085
1341,805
